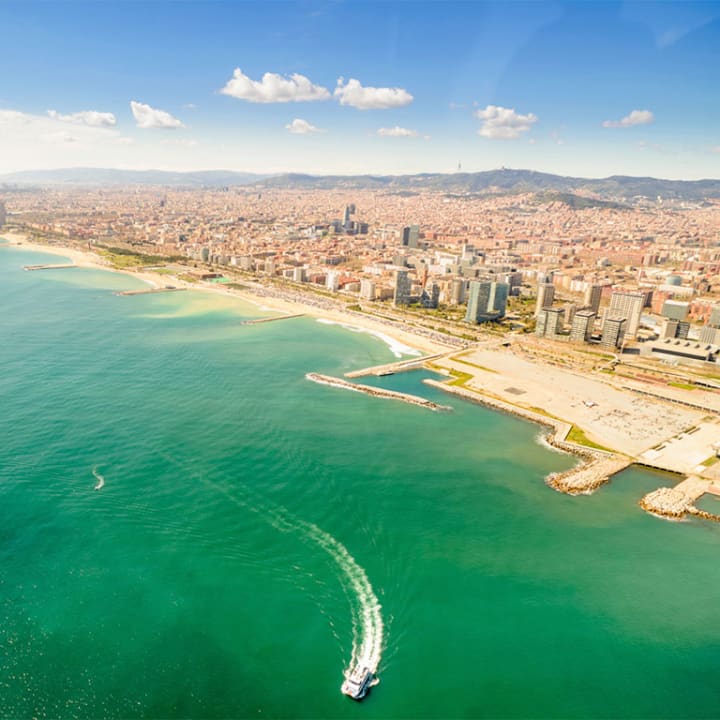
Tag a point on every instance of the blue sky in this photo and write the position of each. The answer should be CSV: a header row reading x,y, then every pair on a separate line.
x,y
589,89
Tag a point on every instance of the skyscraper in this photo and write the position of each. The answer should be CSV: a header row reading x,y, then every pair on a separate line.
x,y
402,288
613,333
582,326
410,235
486,301
549,322
628,306
545,296
591,299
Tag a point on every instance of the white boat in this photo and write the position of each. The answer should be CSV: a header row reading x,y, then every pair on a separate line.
x,y
358,682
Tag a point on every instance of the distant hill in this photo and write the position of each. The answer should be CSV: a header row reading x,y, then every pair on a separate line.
x,y
617,189
109,176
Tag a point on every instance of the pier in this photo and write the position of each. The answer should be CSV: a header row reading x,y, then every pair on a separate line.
x,y
61,266
257,321
396,367
150,291
375,392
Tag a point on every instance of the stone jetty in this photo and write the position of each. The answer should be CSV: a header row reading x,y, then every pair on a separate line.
x,y
61,266
150,291
375,392
596,466
258,321
676,502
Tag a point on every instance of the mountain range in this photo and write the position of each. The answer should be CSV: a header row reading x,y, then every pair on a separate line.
x,y
618,188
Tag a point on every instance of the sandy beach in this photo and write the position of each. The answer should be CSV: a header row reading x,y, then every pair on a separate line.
x,y
400,339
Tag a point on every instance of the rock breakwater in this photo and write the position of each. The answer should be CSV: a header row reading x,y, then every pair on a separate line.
x,y
596,466
375,391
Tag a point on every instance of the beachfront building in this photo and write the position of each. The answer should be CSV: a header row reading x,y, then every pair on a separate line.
x,y
403,287
582,326
487,300
613,333
549,323
627,305
367,289
545,297
591,299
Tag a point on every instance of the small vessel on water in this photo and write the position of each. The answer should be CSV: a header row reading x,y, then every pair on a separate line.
x,y
358,682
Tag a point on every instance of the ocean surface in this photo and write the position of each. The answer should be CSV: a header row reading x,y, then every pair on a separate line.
x,y
255,532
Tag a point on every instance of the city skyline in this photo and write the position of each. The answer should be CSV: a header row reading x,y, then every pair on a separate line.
x,y
590,90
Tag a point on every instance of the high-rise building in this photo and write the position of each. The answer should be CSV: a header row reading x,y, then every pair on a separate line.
x,y
410,235
486,301
403,287
628,306
545,296
478,297
497,303
3,214
549,322
430,295
332,281
582,326
591,299
457,292
613,332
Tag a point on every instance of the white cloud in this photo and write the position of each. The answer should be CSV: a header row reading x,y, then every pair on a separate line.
x,y
147,117
36,141
715,150
86,117
397,132
370,98
500,123
274,88
636,117
302,127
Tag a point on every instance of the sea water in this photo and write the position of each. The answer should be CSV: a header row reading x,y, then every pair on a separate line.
x,y
256,534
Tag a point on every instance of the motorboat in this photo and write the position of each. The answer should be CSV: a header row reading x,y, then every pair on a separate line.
x,y
358,682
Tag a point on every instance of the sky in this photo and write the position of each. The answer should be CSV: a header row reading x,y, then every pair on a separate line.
x,y
585,89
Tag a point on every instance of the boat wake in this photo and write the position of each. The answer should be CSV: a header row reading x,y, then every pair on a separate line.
x,y
100,479
367,622
366,615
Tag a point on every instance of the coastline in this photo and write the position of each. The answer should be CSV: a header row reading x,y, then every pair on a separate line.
x,y
596,465
404,339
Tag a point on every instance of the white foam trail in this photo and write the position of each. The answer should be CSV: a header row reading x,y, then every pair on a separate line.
x,y
366,615
100,479
397,348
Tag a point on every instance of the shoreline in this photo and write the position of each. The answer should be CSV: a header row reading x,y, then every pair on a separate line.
x,y
403,339
595,467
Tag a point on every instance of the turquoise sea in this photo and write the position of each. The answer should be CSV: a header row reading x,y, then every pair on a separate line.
x,y
250,520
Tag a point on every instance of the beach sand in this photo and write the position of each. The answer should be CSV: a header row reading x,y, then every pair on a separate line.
x,y
404,339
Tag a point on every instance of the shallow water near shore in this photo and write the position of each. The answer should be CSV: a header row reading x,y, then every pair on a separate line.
x,y
184,588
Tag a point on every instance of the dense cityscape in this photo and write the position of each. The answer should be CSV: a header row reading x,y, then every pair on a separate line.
x,y
641,275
